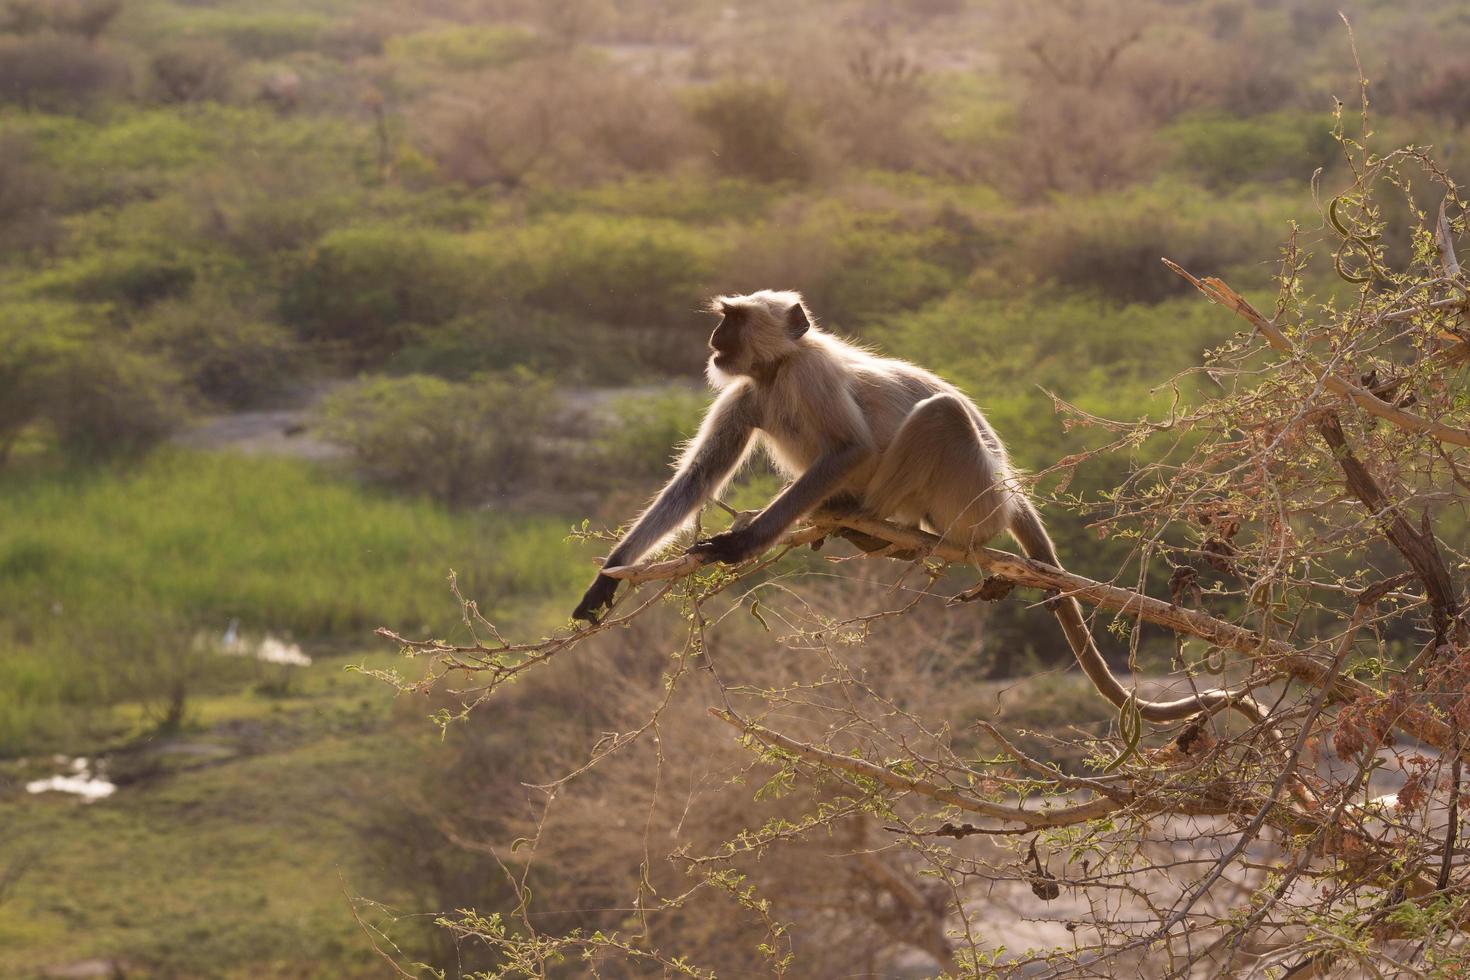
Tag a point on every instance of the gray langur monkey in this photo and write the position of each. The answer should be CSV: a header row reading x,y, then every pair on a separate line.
x,y
877,435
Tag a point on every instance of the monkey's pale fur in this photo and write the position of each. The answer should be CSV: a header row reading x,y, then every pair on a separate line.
x,y
878,434
926,456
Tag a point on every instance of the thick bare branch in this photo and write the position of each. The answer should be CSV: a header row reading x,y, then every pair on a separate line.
x,y
1416,545
1312,666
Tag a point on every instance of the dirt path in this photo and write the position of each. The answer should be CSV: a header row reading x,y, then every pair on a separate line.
x,y
281,431
287,430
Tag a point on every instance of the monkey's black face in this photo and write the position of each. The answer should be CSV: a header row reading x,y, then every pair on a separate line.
x,y
725,341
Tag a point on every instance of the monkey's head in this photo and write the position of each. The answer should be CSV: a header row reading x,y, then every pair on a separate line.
x,y
755,332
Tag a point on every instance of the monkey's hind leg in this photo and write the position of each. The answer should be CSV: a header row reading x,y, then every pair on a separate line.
x,y
938,472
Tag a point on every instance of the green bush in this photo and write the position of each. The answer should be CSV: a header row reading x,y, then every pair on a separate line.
x,y
504,336
462,47
261,34
134,276
111,401
689,197
1225,152
39,339
1112,243
854,266
101,397
133,154
228,356
1010,353
624,271
365,285
27,196
455,442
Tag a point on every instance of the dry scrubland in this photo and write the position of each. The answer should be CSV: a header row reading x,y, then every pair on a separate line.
x,y
482,228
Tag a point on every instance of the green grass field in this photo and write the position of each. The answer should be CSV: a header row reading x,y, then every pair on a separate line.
x,y
228,851
106,575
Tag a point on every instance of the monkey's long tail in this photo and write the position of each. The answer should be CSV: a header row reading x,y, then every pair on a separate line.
x,y
1027,529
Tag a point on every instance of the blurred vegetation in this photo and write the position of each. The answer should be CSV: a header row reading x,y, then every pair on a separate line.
x,y
459,217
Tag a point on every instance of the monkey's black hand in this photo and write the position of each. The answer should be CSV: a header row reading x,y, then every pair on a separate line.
x,y
598,597
731,547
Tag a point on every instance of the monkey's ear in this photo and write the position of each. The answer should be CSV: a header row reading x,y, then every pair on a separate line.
x,y
796,321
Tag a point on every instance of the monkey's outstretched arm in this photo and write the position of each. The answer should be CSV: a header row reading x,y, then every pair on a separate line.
x,y
721,445
846,442
818,483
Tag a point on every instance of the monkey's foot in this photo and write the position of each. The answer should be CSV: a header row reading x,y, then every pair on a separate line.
x,y
729,547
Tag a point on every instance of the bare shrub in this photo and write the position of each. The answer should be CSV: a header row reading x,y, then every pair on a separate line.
x,y
88,19
58,71
860,95
1445,93
755,130
676,808
1079,140
193,70
1093,80
553,119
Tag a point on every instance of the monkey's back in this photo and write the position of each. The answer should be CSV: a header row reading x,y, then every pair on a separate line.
x,y
833,387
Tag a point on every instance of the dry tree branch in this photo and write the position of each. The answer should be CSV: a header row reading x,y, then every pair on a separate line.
x,y
1219,292
1057,817
1354,848
1246,489
1310,666
1417,545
